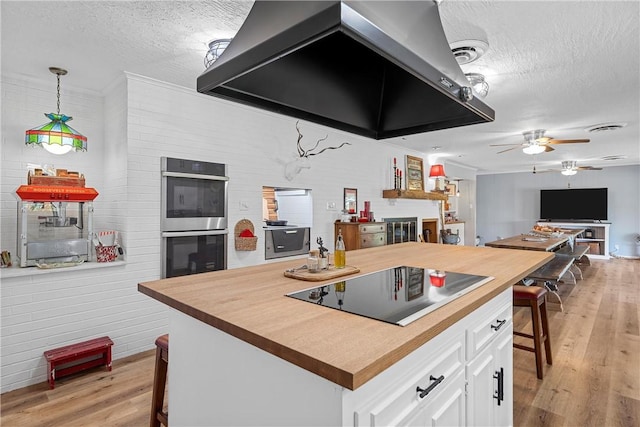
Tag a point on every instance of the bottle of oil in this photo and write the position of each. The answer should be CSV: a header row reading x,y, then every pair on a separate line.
x,y
340,257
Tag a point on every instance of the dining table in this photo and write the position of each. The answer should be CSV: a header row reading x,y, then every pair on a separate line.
x,y
527,242
538,241
556,269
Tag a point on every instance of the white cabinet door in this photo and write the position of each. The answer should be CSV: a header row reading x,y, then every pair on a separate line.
x,y
447,408
490,383
480,401
504,360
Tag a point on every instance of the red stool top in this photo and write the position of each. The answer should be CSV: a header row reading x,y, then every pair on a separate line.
x,y
163,342
528,292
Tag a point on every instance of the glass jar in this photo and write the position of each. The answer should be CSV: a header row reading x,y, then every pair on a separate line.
x,y
313,262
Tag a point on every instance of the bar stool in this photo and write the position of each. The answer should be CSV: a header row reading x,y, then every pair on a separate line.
x,y
534,297
158,415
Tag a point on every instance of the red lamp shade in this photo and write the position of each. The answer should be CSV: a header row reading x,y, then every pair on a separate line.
x,y
436,171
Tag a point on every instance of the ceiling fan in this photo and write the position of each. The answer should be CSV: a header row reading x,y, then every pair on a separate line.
x,y
535,142
569,167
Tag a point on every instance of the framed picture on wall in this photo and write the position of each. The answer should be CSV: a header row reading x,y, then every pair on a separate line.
x,y
415,173
350,200
450,189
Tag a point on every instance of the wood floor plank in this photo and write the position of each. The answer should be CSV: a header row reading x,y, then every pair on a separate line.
x,y
594,380
594,377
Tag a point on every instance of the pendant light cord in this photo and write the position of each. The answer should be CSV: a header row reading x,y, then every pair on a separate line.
x,y
58,75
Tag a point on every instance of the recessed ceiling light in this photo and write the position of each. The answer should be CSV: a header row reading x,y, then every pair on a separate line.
x,y
603,127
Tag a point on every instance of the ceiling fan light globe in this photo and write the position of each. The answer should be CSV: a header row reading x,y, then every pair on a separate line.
x,y
569,172
533,149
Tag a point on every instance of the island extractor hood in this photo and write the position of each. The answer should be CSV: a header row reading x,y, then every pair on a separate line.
x,y
380,69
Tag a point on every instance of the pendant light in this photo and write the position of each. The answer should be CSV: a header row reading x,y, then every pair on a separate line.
x,y
56,136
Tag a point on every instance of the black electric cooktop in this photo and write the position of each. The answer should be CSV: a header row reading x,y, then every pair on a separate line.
x,y
397,295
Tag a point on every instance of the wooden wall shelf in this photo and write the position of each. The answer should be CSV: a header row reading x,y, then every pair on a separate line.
x,y
413,194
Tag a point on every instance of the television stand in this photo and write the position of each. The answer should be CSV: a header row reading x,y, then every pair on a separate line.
x,y
596,236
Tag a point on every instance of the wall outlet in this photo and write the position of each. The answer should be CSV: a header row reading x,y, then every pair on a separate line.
x,y
617,247
331,206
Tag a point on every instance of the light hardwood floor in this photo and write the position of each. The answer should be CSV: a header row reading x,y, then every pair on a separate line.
x,y
594,380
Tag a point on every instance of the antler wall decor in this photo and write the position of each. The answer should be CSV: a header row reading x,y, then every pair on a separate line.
x,y
294,167
307,153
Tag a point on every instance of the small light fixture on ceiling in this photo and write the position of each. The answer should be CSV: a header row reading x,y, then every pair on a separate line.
x,y
437,172
569,167
56,136
478,84
216,48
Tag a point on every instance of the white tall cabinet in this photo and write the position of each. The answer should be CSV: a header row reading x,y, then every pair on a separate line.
x,y
217,379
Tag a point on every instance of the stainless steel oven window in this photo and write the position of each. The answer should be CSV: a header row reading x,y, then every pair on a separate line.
x,y
193,252
194,195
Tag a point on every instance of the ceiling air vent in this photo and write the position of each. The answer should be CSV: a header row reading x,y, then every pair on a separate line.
x,y
614,157
605,127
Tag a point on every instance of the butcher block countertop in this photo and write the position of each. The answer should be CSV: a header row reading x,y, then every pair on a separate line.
x,y
250,303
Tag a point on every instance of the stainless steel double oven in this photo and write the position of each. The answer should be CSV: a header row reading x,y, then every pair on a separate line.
x,y
194,217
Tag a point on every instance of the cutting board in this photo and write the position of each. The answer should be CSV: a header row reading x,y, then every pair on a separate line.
x,y
331,273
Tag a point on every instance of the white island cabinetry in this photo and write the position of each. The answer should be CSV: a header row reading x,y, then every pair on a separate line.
x,y
217,379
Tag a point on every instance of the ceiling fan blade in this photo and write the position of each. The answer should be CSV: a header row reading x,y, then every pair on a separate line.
x,y
504,145
567,141
547,148
508,149
588,168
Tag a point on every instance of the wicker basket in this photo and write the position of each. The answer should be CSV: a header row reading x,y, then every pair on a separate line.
x,y
244,243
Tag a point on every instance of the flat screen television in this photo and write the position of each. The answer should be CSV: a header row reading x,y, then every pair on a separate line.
x,y
576,204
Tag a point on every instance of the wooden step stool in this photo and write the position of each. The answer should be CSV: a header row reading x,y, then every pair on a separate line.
x,y
76,352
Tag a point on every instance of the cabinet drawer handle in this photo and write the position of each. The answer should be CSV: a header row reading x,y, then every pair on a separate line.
x,y
499,325
424,391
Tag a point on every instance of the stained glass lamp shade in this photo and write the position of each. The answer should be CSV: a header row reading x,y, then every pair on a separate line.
x,y
57,136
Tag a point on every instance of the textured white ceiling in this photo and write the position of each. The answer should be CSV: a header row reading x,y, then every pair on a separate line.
x,y
558,65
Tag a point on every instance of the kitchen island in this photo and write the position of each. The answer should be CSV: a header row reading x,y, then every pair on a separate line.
x,y
243,353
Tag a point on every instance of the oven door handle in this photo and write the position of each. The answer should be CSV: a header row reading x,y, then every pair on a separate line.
x,y
194,233
195,176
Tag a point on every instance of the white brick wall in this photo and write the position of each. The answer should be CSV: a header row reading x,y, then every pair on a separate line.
x,y
129,129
